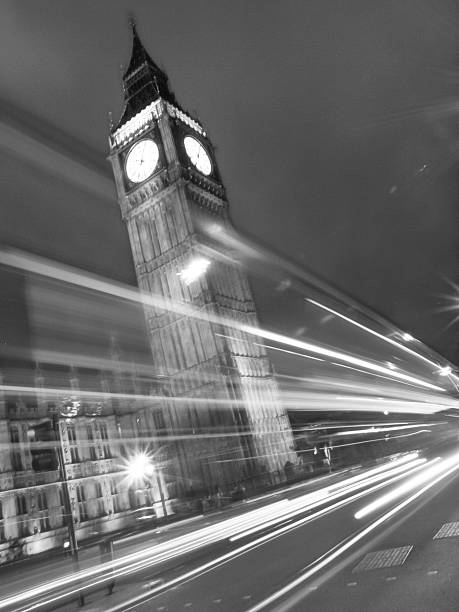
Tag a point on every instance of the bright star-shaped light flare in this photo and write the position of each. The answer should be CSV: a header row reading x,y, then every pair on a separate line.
x,y
138,467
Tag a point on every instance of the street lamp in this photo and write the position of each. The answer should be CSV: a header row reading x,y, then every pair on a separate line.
x,y
139,467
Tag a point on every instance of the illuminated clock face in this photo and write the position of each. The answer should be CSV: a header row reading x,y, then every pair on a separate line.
x,y
142,160
198,155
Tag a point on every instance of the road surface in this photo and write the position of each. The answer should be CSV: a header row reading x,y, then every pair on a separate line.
x,y
424,575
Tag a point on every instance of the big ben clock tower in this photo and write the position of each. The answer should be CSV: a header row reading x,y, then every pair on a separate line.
x,y
224,411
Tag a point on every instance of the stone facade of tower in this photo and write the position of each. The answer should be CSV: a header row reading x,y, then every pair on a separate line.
x,y
224,408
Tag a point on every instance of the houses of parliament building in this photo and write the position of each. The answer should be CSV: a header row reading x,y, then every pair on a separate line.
x,y
211,418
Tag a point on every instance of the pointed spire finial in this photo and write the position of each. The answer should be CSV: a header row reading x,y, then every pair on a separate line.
x,y
143,80
132,23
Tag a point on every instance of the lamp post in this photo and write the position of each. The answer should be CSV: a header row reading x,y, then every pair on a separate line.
x,y
68,513
161,494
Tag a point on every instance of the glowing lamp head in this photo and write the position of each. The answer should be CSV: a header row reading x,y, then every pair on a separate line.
x,y
445,371
138,467
407,337
194,270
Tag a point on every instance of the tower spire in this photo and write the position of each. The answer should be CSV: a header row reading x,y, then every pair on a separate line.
x,y
143,80
132,22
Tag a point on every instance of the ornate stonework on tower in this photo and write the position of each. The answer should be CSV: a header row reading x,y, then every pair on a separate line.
x,y
224,410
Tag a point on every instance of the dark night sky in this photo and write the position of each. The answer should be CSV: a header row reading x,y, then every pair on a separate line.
x,y
335,124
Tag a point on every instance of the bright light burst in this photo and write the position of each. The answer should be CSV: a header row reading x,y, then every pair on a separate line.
x,y
138,466
452,305
194,270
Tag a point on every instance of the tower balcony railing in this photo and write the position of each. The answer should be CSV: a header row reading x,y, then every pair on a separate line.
x,y
138,124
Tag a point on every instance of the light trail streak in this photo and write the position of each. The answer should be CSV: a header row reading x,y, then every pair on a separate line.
x,y
130,605
369,388
213,533
408,435
342,365
338,425
328,558
332,354
354,403
66,274
273,348
401,470
373,332
380,429
406,487
151,555
60,392
276,348
380,468
79,360
290,400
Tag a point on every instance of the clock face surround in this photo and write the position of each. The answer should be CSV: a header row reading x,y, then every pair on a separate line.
x,y
197,155
142,160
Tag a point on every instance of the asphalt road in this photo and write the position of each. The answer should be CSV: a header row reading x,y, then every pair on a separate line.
x,y
309,562
426,581
15,577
